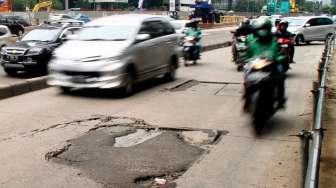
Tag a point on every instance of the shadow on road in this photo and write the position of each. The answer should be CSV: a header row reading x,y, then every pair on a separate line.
x,y
115,93
26,75
276,125
292,75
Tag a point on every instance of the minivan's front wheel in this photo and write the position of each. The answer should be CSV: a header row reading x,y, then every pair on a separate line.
x,y
299,40
129,81
171,74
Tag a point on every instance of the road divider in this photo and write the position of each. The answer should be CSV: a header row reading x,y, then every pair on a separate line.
x,y
26,86
34,84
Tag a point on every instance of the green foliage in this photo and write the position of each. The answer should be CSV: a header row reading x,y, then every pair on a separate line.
x,y
249,6
57,4
84,4
308,6
20,5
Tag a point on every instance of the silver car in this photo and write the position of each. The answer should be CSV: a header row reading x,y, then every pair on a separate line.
x,y
116,52
307,29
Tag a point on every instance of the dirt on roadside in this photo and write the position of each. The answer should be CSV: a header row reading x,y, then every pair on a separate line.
x,y
328,158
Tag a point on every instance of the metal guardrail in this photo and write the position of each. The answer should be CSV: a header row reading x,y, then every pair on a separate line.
x,y
313,138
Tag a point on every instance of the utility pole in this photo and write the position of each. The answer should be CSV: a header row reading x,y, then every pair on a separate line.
x,y
66,3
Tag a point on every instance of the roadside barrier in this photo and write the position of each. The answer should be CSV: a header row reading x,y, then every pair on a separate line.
x,y
312,139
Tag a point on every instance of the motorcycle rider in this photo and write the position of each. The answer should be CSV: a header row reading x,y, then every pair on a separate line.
x,y
282,32
244,30
195,31
263,44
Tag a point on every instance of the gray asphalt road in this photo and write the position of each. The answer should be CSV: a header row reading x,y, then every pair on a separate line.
x,y
31,126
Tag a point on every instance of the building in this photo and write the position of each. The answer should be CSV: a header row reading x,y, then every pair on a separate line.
x,y
217,4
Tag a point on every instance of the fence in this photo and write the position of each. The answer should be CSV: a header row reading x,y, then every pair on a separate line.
x,y
313,138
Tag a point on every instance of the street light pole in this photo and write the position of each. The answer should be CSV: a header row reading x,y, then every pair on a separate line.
x,y
66,4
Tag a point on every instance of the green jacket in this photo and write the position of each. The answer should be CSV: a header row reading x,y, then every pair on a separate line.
x,y
197,33
270,50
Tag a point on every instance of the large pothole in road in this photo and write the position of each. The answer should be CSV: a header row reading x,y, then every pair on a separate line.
x,y
128,156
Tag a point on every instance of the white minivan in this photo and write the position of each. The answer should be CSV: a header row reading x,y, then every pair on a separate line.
x,y
307,29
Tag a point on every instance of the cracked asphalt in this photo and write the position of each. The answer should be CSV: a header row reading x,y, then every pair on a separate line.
x,y
36,123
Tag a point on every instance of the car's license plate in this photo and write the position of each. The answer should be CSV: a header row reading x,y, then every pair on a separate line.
x,y
79,79
284,45
13,65
14,58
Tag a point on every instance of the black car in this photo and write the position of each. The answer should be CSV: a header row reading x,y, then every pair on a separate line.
x,y
18,19
33,52
15,27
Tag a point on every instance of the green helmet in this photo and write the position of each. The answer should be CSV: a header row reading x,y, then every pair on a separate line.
x,y
262,27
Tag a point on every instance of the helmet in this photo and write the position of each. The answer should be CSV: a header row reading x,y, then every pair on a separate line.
x,y
284,22
262,27
246,22
195,20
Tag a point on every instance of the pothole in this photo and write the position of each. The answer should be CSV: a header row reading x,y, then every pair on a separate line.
x,y
185,85
128,156
210,88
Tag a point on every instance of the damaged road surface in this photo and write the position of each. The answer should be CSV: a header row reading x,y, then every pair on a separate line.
x,y
164,133
124,156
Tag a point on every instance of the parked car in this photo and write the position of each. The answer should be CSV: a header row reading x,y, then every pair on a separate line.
x,y
33,52
15,27
108,54
18,19
5,36
82,17
307,29
180,25
58,17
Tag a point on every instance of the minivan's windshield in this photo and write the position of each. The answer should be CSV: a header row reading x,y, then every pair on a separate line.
x,y
295,22
115,33
44,35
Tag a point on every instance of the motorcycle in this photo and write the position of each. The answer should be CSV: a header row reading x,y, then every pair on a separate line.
x,y
190,52
261,91
239,47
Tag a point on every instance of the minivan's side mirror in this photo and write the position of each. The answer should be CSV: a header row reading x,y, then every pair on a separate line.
x,y
64,38
307,25
142,37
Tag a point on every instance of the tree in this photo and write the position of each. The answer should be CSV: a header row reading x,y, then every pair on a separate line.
x,y
248,6
308,6
57,4
20,5
329,10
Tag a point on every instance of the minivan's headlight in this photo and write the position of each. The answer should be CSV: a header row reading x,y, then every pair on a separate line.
x,y
35,51
113,67
3,51
100,58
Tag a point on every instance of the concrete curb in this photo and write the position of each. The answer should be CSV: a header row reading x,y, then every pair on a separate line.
x,y
39,83
23,87
216,46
